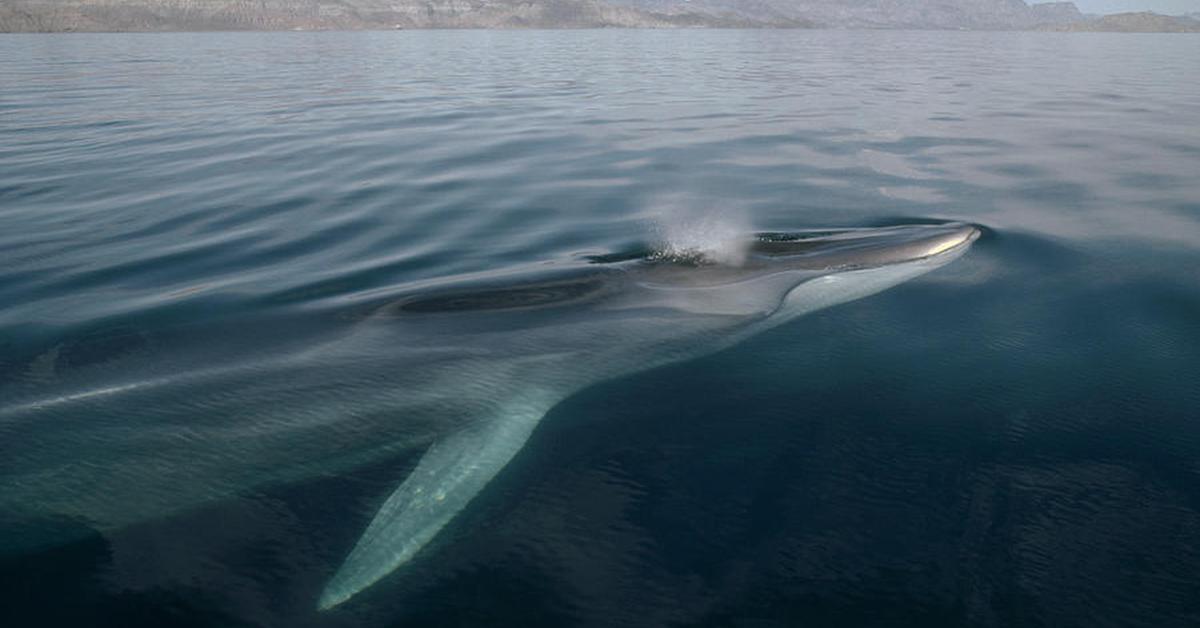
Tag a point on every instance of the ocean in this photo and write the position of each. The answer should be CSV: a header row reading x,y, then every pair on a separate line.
x,y
194,431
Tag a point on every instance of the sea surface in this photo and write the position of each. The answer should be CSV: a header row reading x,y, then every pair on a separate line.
x,y
188,222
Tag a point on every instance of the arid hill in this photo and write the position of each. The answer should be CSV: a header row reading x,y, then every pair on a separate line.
x,y
201,15
1135,23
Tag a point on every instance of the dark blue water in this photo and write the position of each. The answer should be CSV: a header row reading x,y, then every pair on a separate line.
x,y
189,222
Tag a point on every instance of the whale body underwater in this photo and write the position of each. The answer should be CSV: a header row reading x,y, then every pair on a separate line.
x,y
463,368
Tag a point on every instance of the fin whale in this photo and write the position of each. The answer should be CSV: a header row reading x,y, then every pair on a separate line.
x,y
633,322
462,370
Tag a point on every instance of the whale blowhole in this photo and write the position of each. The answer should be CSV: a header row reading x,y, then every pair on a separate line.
x,y
713,238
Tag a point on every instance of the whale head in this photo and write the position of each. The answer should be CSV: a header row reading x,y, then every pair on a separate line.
x,y
747,274
863,248
780,275
853,264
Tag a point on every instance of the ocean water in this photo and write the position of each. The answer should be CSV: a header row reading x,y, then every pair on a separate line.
x,y
190,222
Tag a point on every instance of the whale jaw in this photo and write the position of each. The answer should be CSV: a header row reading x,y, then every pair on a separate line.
x,y
863,248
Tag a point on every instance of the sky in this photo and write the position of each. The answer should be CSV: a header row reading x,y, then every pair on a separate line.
x,y
1169,7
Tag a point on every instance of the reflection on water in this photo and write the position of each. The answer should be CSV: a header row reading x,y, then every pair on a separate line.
x,y
1007,441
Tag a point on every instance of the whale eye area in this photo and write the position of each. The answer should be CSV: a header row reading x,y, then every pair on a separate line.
x,y
505,298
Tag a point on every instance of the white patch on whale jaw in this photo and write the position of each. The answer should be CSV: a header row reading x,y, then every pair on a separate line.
x,y
842,287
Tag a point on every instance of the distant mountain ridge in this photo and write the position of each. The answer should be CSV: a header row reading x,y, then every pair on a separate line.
x,y
202,15
175,15
1141,22
932,14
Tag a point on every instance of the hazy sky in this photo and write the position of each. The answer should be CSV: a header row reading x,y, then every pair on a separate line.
x,y
1173,7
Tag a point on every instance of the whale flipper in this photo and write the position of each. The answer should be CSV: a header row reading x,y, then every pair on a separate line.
x,y
450,474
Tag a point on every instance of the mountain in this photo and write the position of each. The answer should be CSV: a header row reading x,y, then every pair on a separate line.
x,y
201,15
1056,13
174,15
1143,22
919,14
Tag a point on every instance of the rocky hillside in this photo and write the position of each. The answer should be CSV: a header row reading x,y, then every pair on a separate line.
x,y
175,15
934,14
1056,13
1135,23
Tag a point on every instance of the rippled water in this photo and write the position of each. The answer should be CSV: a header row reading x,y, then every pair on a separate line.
x,y
189,223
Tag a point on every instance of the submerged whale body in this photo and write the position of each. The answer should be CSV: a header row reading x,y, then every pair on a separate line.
x,y
642,313
462,369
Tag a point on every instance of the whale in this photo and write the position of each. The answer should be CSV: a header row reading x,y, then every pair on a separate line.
x,y
453,372
609,322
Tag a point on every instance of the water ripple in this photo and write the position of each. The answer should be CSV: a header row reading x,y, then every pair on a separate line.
x,y
184,219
